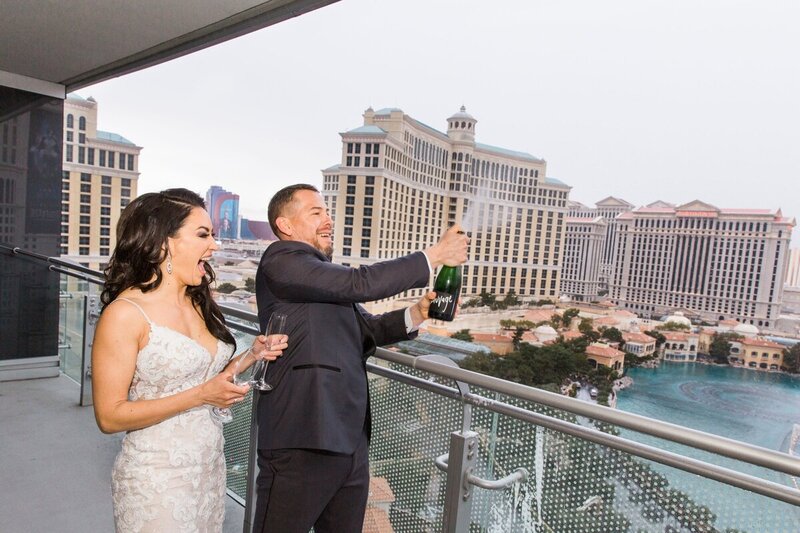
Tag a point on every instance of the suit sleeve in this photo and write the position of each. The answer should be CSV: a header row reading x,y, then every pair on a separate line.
x,y
298,276
387,328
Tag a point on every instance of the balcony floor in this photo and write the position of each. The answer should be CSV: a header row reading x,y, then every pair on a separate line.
x,y
55,465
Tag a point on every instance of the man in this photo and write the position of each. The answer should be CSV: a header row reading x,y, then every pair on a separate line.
x,y
314,424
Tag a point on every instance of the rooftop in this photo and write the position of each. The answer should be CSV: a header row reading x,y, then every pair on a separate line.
x,y
113,137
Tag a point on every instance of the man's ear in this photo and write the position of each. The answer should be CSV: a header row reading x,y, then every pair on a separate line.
x,y
284,226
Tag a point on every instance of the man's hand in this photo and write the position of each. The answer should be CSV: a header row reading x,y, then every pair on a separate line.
x,y
451,250
419,311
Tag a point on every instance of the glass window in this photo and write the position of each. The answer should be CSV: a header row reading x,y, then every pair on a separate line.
x,y
82,123
105,180
70,121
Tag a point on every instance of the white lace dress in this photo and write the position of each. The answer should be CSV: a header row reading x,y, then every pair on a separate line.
x,y
170,477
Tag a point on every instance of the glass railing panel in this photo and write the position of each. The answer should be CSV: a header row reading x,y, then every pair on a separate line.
x,y
237,433
72,292
410,428
576,486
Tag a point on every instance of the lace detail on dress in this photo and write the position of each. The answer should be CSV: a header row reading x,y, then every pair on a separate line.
x,y
171,476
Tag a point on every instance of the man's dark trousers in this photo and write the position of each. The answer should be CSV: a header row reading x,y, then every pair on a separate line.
x,y
334,488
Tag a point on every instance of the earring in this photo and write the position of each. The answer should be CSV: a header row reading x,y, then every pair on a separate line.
x,y
169,267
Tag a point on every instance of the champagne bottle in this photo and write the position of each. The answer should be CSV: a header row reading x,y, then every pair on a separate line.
x,y
448,289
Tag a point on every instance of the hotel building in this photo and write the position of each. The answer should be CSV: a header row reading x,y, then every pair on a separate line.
x,y
400,183
100,177
793,273
584,247
715,264
607,208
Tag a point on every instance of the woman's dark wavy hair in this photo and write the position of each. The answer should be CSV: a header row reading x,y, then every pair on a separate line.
x,y
142,233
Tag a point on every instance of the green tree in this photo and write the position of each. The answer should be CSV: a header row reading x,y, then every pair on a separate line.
x,y
673,326
586,329
487,299
555,321
791,359
660,339
612,334
462,335
720,347
517,339
511,298
250,285
226,288
568,315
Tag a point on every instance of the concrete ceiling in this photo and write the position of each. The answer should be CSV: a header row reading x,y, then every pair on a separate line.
x,y
76,43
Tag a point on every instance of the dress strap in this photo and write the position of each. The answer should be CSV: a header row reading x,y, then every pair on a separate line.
x,y
137,306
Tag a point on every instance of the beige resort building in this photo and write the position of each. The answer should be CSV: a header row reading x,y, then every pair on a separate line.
x,y
100,177
400,183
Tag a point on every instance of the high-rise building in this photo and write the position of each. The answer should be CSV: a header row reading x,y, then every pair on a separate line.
x,y
608,208
223,207
100,177
715,264
401,182
584,247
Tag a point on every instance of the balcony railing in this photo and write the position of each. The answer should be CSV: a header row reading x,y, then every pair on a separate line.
x,y
454,450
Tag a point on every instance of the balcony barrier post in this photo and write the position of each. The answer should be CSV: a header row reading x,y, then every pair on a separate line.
x,y
91,313
252,469
458,501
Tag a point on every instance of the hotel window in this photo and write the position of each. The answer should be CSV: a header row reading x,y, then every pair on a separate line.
x,y
105,232
91,156
86,187
81,155
83,250
85,209
81,138
351,179
105,189
102,161
70,121
345,251
105,180
105,200
69,153
86,199
69,136
82,123
85,177
111,157
125,192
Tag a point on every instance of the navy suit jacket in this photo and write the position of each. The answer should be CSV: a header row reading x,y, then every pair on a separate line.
x,y
320,397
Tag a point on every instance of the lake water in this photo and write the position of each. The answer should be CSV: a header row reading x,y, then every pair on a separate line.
x,y
756,407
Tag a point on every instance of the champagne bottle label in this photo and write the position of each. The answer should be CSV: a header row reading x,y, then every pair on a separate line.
x,y
443,306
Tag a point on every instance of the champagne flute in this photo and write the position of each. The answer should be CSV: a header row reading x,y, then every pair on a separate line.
x,y
275,329
242,374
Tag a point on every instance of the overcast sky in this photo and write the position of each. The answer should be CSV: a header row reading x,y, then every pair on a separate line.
x,y
673,100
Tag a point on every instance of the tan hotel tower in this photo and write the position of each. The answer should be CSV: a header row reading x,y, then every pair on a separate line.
x,y
401,182
101,171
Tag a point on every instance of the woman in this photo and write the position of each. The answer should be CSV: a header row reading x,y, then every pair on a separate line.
x,y
159,366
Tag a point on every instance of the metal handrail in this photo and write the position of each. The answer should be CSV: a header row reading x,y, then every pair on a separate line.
x,y
54,260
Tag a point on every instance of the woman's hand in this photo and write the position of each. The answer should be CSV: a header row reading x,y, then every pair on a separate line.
x,y
220,391
270,347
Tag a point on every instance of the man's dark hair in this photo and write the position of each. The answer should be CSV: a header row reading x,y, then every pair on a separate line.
x,y
280,200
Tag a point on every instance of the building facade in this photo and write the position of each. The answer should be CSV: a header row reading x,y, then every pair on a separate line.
x,y
793,272
609,209
584,249
757,353
100,177
223,208
715,264
400,183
